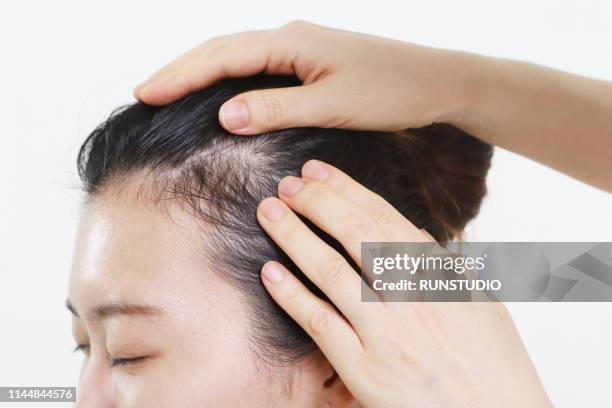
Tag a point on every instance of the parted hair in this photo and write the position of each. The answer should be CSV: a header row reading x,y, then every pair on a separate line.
x,y
435,176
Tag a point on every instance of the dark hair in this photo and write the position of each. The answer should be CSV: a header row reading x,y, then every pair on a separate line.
x,y
435,176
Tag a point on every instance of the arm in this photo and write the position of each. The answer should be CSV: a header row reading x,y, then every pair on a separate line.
x,y
559,119
358,81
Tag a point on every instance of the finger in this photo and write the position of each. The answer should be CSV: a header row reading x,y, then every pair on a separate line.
x,y
325,267
334,214
394,225
170,68
243,59
201,50
270,109
428,235
251,54
203,67
330,331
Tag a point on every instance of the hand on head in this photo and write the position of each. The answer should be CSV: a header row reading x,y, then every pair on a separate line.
x,y
350,80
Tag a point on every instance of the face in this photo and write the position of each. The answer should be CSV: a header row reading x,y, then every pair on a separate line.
x,y
157,327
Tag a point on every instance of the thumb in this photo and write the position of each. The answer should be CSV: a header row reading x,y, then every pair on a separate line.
x,y
277,108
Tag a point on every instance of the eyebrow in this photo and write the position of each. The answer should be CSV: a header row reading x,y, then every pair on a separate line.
x,y
116,309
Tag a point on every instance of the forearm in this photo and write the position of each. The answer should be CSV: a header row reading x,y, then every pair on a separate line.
x,y
559,119
358,81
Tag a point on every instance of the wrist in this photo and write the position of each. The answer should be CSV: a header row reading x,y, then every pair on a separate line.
x,y
471,79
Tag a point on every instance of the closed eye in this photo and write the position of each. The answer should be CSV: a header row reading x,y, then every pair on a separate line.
x,y
119,361
82,347
127,361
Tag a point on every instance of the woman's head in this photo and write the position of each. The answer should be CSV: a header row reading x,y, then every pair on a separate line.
x,y
169,251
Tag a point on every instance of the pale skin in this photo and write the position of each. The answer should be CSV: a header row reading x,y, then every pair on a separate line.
x,y
388,354
159,329
395,354
360,81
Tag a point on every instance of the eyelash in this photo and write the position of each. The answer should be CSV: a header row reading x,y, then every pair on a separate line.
x,y
82,347
122,361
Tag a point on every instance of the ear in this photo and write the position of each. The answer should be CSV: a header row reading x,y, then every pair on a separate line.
x,y
325,383
337,395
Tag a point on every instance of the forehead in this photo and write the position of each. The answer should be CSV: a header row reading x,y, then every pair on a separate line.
x,y
128,251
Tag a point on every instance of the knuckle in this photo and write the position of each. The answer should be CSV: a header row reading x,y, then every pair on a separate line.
x,y
320,320
273,107
405,355
331,270
382,213
341,187
188,80
290,294
289,232
358,226
296,25
312,191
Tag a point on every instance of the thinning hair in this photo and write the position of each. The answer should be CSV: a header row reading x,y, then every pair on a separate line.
x,y
435,176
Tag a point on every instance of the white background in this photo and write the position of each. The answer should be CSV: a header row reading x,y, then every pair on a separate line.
x,y
65,65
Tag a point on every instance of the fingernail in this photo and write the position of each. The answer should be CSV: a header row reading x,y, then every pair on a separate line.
x,y
272,209
273,272
235,115
290,185
315,170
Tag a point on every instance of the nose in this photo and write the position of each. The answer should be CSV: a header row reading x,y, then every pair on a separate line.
x,y
94,385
